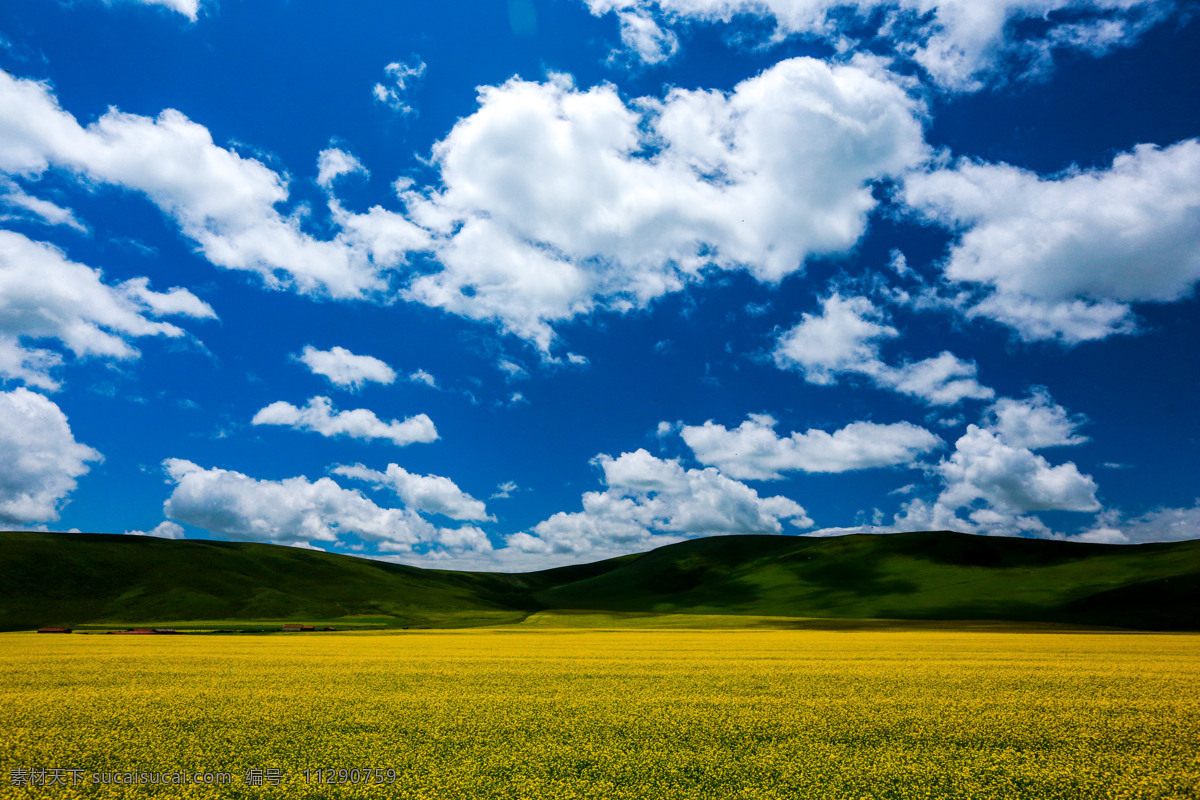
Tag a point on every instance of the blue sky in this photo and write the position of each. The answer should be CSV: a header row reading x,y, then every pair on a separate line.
x,y
546,281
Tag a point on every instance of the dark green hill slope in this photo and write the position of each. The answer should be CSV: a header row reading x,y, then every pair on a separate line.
x,y
54,578
927,575
49,578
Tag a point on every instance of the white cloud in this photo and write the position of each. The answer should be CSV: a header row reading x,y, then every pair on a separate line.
x,y
297,511
1161,525
423,377
430,494
557,201
345,369
41,459
504,491
220,200
641,34
1064,257
44,296
1034,423
31,365
468,540
960,43
290,511
189,8
1011,479
320,417
919,515
942,380
993,483
753,451
400,75
163,530
27,206
333,163
845,339
649,502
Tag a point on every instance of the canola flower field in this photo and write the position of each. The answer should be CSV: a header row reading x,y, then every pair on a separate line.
x,y
598,714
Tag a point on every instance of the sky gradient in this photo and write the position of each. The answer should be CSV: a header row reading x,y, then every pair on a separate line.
x,y
547,281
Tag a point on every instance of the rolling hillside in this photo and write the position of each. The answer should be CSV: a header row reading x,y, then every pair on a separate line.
x,y
72,579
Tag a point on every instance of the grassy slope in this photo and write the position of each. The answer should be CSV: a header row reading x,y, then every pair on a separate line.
x,y
930,575
73,578
76,578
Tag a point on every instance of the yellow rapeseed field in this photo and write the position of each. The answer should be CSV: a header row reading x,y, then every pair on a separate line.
x,y
603,714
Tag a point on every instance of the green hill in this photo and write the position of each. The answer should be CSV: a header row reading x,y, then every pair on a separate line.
x,y
73,579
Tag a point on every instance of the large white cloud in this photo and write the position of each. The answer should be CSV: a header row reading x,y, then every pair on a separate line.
x,y
431,494
1160,525
993,483
39,458
224,202
958,42
45,296
985,467
319,416
345,369
649,502
1064,257
753,451
844,339
290,511
556,201
298,511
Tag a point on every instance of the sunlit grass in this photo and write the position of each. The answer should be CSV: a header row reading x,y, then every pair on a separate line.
x,y
519,713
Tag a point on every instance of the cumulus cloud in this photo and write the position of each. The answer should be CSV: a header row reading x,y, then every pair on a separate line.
x,y
430,494
642,35
1063,257
333,163
163,530
985,467
753,451
649,502
1035,422
959,43
919,515
1160,525
222,201
845,339
319,416
400,77
993,483
41,459
45,296
556,201
290,511
297,511
345,369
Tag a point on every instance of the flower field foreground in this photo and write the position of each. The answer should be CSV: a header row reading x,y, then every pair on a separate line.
x,y
602,714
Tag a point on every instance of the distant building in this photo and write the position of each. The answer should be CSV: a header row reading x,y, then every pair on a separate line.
x,y
54,630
